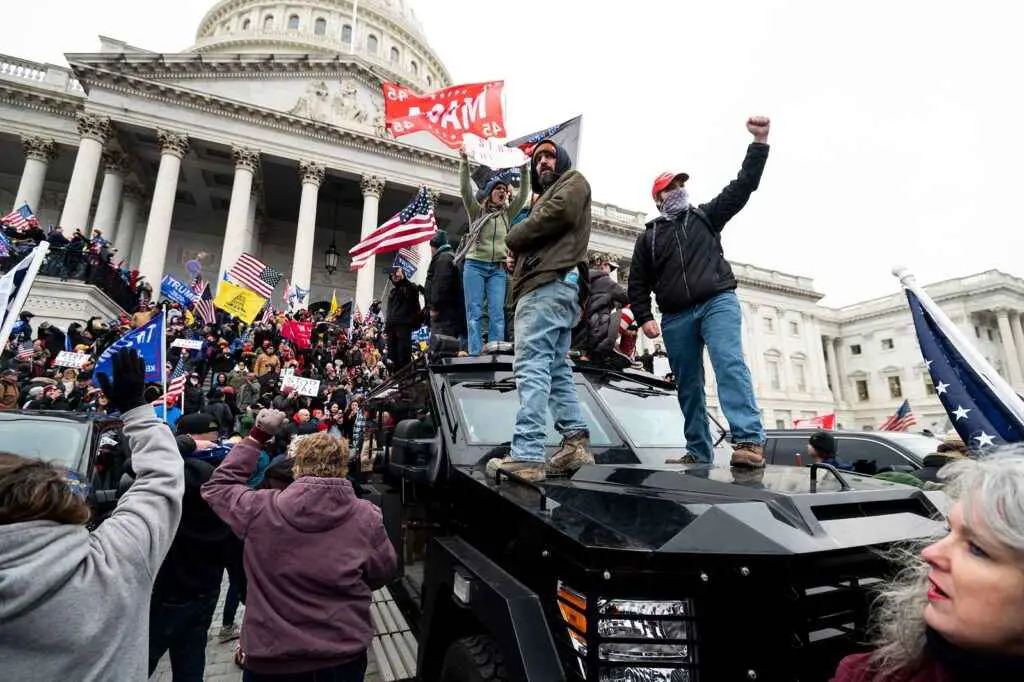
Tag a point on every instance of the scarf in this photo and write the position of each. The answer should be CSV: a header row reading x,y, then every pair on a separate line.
x,y
963,664
676,202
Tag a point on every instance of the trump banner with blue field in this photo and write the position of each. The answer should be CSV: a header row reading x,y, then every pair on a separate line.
x,y
147,340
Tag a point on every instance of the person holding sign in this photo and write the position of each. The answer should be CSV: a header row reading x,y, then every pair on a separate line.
x,y
483,251
679,258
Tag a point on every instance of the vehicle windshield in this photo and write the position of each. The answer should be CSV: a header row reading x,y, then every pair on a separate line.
x,y
650,416
53,441
489,406
920,445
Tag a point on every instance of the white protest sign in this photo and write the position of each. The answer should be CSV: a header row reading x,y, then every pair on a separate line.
x,y
66,358
287,371
661,367
191,344
491,153
302,385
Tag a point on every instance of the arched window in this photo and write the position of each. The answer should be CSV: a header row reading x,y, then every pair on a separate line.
x,y
246,25
268,22
371,44
395,56
773,369
800,372
293,22
415,68
346,34
430,81
320,27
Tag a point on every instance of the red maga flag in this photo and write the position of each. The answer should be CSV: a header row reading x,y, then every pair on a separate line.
x,y
298,333
825,421
448,114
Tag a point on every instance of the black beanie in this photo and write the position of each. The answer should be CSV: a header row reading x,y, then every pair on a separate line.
x,y
825,443
439,239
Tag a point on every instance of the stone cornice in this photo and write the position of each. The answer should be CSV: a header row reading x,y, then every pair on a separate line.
x,y
135,86
615,229
66,106
777,287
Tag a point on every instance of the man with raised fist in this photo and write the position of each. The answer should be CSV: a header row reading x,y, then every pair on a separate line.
x,y
679,258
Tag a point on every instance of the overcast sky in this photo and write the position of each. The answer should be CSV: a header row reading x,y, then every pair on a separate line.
x,y
896,126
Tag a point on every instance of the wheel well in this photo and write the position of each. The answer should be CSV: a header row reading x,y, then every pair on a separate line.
x,y
451,622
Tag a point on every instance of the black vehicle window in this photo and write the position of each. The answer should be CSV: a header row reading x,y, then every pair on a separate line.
x,y
650,416
786,449
869,457
60,443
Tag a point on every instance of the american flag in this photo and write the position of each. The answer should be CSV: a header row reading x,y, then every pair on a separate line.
x,y
176,385
20,219
409,260
204,306
25,351
6,248
901,421
413,225
268,314
198,284
253,273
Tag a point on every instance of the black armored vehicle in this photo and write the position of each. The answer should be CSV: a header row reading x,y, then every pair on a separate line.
x,y
635,569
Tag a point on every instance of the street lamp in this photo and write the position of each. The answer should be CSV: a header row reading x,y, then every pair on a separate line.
x,y
331,258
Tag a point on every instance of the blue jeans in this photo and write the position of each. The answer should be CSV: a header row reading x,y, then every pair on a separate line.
x,y
182,629
543,329
716,322
480,279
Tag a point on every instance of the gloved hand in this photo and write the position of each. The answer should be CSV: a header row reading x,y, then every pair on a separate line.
x,y
129,380
268,423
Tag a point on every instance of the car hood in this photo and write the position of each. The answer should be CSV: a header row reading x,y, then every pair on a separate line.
x,y
706,509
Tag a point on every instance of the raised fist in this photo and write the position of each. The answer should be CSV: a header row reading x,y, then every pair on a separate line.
x,y
758,127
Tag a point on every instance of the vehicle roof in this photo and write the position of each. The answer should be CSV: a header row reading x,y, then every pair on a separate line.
x,y
845,432
51,415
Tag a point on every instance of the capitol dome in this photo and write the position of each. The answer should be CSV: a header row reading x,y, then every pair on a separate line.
x,y
386,34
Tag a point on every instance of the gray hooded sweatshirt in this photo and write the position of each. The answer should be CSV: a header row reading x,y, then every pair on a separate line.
x,y
74,605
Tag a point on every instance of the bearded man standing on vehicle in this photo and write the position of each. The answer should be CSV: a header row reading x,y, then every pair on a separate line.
x,y
679,257
550,255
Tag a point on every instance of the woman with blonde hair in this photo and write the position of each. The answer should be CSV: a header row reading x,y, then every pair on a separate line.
x,y
314,552
956,611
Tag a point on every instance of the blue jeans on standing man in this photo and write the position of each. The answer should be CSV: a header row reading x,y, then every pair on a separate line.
x,y
543,330
480,279
717,323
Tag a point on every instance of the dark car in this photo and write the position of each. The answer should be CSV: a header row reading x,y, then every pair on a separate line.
x,y
632,569
870,452
87,445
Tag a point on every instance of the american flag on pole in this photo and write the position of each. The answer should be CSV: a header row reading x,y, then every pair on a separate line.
x,y
176,382
901,421
254,274
25,351
20,219
413,225
204,306
197,285
409,260
268,314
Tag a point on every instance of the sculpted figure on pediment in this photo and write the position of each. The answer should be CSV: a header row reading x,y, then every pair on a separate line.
x,y
315,104
347,106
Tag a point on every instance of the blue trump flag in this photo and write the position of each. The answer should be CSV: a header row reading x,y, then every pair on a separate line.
x,y
177,291
147,340
982,407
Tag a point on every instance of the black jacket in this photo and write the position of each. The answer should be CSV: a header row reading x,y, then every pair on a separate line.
x,y
598,335
681,260
221,412
443,291
404,305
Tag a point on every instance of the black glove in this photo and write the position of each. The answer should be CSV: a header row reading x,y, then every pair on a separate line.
x,y
129,381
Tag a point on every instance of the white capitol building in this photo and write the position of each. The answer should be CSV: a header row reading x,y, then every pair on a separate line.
x,y
267,136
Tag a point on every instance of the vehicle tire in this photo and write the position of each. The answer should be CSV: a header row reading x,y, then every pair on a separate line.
x,y
474,659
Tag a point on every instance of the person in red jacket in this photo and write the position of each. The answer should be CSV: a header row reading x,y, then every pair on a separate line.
x,y
313,554
956,613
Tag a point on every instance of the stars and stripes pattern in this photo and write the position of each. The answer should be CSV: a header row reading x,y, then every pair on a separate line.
x,y
267,316
6,248
25,351
901,421
204,306
20,219
982,407
176,382
254,274
413,225
197,284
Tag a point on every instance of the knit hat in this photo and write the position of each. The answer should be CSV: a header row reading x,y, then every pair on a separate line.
x,y
485,194
200,422
439,239
825,443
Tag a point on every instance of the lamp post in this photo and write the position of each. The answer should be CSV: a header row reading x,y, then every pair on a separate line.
x,y
331,255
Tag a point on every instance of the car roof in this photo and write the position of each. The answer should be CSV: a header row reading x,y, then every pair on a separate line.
x,y
48,415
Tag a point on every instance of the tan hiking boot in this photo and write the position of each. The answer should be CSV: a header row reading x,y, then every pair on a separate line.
x,y
528,471
685,459
573,454
749,455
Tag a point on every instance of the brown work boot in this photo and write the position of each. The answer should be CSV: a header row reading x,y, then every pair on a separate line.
x,y
573,454
528,471
749,455
685,459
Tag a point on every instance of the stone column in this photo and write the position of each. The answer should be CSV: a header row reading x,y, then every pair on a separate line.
x,y
372,187
251,244
833,370
125,235
817,381
173,147
1018,337
39,152
94,131
302,262
110,194
235,239
754,359
1009,347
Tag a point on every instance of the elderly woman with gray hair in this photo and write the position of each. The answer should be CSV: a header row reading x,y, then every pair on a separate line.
x,y
956,612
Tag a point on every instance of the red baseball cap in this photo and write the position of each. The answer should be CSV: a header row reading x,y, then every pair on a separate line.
x,y
664,180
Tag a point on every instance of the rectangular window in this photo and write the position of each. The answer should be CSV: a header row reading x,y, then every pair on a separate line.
x,y
794,328
783,419
801,376
887,344
773,375
855,349
989,331
862,390
769,325
895,388
780,423
977,331
929,387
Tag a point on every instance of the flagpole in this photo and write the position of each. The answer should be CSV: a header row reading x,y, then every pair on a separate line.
x,y
163,358
14,310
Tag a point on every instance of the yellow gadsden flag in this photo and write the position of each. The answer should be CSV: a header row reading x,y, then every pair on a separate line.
x,y
239,301
333,312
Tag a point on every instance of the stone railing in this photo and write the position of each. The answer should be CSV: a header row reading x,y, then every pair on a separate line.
x,y
613,214
48,76
77,266
773,278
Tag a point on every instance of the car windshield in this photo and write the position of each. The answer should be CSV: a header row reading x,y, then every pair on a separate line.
x,y
488,409
650,416
921,446
53,441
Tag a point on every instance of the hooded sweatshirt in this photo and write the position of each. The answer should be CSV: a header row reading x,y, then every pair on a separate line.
x,y
74,605
313,555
